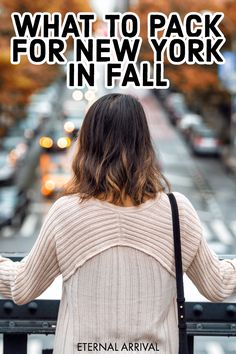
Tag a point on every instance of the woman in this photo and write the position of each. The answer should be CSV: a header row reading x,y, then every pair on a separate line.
x,y
110,236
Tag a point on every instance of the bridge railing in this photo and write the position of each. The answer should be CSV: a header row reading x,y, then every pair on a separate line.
x,y
40,317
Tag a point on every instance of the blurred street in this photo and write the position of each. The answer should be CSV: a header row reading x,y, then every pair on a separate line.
x,y
203,180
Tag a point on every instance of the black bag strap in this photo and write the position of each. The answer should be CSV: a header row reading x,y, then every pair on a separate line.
x,y
183,347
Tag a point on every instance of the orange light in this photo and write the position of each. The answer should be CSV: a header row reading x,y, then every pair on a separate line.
x,y
48,187
45,191
46,142
12,156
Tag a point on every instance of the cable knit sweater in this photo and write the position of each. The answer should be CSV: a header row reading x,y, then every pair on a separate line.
x,y
118,273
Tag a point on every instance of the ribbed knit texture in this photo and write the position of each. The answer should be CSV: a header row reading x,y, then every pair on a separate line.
x,y
118,271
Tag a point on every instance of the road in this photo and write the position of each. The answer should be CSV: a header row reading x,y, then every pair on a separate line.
x,y
203,180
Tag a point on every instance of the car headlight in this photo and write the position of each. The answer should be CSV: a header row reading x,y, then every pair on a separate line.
x,y
63,142
48,187
50,184
46,142
90,95
69,127
77,95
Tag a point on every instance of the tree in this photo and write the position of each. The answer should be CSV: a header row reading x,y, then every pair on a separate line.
x,y
200,84
18,82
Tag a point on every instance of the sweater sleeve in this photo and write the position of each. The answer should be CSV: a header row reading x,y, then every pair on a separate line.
x,y
25,280
214,278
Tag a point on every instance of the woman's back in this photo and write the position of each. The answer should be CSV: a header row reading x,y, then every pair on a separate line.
x,y
120,298
118,269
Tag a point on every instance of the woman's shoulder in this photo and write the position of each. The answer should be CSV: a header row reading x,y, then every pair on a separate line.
x,y
184,203
189,217
181,198
64,203
67,199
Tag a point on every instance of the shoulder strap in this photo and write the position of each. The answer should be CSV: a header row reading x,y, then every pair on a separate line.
x,y
179,274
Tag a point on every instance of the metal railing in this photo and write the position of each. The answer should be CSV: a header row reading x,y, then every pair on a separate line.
x,y
40,317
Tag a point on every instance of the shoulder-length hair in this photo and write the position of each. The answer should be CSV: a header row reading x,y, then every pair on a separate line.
x,y
115,157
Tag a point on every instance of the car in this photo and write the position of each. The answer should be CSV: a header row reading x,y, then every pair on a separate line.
x,y
176,107
14,206
188,121
204,141
53,182
29,128
54,174
161,95
56,140
7,169
10,142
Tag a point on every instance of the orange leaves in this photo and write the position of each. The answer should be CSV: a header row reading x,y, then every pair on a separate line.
x,y
192,78
188,78
17,82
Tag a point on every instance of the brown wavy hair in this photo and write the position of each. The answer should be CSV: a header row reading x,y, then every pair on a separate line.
x,y
115,157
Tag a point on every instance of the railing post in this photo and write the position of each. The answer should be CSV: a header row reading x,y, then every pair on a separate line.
x,y
14,343
190,344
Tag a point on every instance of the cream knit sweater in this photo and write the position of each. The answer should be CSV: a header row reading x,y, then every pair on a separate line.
x,y
118,273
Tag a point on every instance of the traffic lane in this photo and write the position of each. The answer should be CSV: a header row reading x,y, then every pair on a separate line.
x,y
207,172
201,180
223,184
23,239
176,156
26,173
177,164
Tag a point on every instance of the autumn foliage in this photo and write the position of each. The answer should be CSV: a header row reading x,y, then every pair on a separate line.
x,y
17,82
194,78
